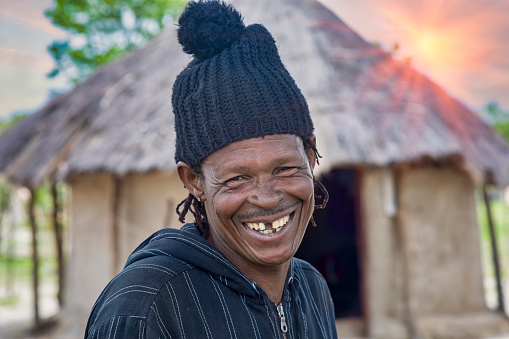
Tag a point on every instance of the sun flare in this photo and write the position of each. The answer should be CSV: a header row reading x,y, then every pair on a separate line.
x,y
433,48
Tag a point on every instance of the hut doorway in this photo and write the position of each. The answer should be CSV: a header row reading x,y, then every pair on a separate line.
x,y
333,246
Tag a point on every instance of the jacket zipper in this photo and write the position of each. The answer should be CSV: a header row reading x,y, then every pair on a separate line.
x,y
282,319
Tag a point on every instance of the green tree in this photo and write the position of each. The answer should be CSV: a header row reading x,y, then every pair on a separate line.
x,y
100,31
498,118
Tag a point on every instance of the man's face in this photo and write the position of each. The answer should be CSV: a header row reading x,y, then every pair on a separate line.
x,y
260,198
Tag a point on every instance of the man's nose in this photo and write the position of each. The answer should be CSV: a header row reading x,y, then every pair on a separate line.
x,y
266,195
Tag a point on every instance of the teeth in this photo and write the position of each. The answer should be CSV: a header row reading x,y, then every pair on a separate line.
x,y
276,225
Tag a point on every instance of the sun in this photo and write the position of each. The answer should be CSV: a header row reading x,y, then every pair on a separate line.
x,y
428,45
443,39
432,48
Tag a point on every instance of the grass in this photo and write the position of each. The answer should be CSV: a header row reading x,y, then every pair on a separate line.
x,y
9,300
21,267
19,270
500,214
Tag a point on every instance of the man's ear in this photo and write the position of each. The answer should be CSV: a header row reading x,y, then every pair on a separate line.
x,y
192,182
311,154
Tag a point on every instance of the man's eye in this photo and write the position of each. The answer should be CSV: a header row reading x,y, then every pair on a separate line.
x,y
285,170
234,179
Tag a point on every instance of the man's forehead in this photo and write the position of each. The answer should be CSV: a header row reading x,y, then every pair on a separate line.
x,y
277,148
264,144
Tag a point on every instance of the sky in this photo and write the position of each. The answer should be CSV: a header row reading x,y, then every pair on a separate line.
x,y
463,45
25,34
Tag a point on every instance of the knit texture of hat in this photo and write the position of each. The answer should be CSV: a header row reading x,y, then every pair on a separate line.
x,y
235,88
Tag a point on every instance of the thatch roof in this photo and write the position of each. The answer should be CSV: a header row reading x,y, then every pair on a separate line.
x,y
368,108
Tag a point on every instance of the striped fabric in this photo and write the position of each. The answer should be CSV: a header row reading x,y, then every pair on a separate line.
x,y
178,285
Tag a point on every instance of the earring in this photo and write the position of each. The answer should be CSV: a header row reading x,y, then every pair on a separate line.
x,y
199,199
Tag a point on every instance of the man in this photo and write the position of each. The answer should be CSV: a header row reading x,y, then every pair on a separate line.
x,y
245,150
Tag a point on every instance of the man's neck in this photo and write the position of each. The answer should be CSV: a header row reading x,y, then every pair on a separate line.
x,y
271,279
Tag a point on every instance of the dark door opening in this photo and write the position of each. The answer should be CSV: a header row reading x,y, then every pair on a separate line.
x,y
332,246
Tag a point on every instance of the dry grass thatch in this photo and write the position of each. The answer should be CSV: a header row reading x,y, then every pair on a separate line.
x,y
369,109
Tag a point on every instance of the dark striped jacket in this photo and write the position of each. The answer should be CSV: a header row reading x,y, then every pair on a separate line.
x,y
178,285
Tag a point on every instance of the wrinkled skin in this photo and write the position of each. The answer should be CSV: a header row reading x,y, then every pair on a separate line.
x,y
258,180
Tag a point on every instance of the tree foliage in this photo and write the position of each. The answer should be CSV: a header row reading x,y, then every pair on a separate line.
x,y
498,118
102,30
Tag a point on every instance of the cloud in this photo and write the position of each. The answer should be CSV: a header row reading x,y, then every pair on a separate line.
x,y
30,13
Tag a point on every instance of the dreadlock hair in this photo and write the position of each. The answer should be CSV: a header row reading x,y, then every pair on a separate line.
x,y
310,145
197,208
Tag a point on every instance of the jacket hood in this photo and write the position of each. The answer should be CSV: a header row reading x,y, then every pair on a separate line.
x,y
187,245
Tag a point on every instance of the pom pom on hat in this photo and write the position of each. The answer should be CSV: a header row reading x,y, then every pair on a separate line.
x,y
206,28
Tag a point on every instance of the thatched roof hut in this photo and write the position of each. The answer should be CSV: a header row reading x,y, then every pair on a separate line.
x,y
401,158
370,108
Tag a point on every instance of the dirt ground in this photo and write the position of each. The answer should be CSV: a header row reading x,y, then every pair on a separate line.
x,y
15,320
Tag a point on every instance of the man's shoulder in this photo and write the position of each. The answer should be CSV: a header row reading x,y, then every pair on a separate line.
x,y
310,280
314,292
159,264
134,290
302,267
153,271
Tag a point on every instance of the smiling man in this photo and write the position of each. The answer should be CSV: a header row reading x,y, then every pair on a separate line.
x,y
245,150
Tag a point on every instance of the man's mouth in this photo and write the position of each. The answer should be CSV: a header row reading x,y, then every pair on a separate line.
x,y
268,228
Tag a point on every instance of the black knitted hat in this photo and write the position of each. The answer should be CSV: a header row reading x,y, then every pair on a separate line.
x,y
235,88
